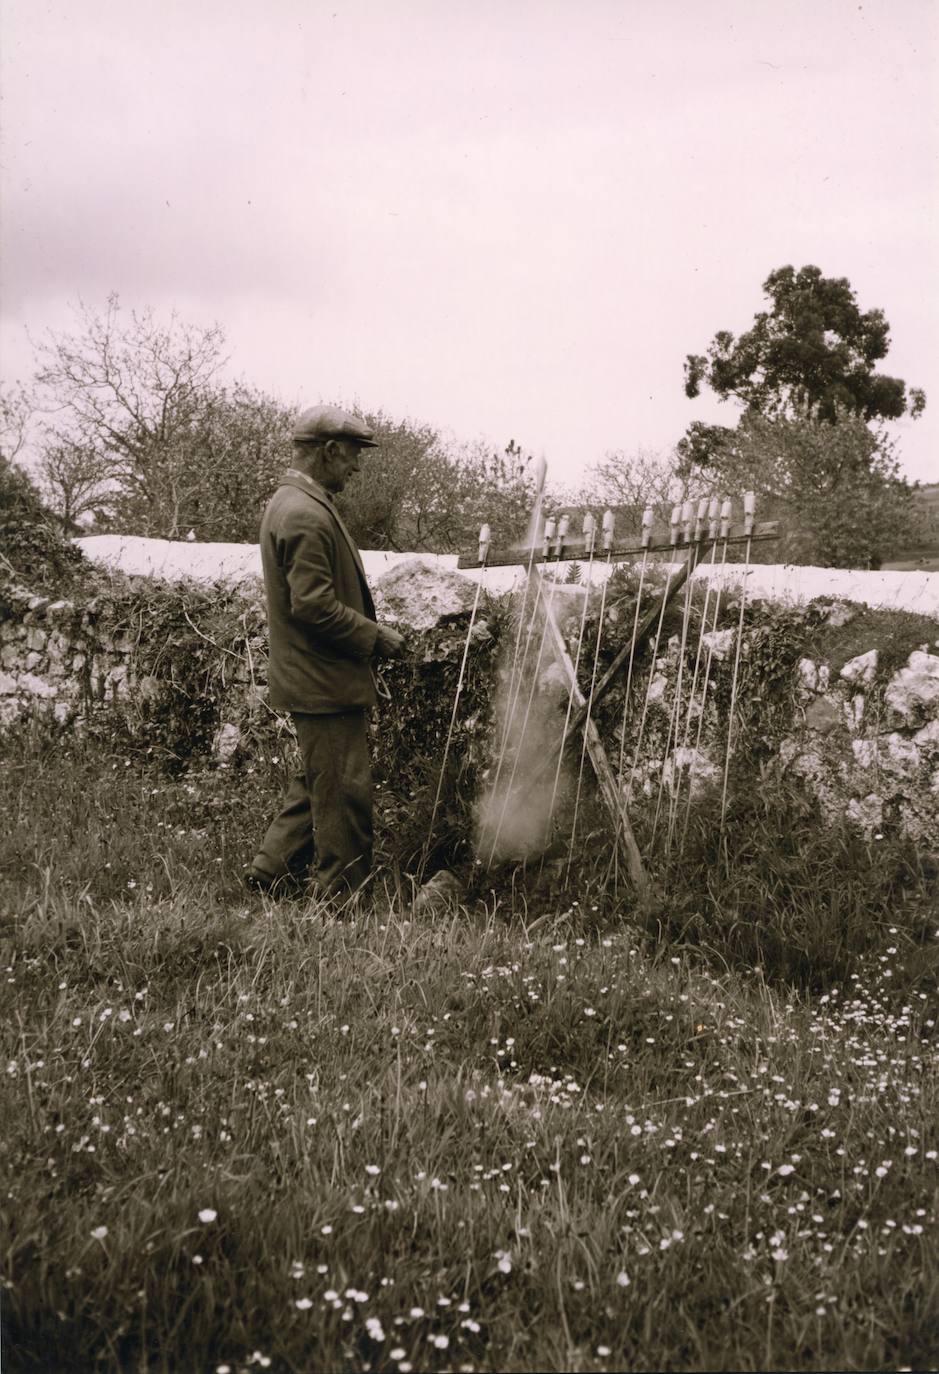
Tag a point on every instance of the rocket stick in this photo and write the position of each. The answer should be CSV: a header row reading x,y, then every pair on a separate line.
x,y
749,509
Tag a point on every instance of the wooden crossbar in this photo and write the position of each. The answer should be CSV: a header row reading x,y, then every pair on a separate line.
x,y
575,550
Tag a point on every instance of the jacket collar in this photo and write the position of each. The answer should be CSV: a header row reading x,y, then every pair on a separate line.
x,y
293,477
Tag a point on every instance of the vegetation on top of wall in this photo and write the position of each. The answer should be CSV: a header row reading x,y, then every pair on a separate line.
x,y
191,646
199,661
774,640
894,634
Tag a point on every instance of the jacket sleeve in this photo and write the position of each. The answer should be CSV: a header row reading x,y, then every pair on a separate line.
x,y
307,554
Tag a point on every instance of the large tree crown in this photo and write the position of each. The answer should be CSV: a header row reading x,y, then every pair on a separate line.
x,y
812,352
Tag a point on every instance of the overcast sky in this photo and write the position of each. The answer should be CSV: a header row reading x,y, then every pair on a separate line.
x,y
509,218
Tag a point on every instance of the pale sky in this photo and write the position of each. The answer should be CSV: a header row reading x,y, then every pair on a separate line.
x,y
506,218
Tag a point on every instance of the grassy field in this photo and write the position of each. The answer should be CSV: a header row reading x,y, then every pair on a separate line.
x,y
240,1135
925,554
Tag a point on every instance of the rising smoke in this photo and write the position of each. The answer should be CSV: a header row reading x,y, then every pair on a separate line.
x,y
515,813
524,786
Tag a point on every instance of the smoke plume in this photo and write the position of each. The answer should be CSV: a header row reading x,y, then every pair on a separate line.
x,y
524,788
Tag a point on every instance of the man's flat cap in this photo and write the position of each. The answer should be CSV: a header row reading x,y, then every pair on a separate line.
x,y
329,422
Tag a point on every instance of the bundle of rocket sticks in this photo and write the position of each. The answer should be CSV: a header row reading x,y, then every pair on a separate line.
x,y
527,753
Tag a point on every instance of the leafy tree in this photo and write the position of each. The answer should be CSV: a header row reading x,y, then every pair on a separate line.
x,y
923,545
805,374
214,479
836,487
498,488
239,448
395,501
417,492
813,352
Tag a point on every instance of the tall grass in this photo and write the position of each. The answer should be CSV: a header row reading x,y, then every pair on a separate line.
x,y
243,1135
811,903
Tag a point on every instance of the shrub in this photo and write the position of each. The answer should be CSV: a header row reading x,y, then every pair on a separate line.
x,y
35,548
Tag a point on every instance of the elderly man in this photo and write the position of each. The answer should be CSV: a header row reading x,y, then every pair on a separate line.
x,y
323,640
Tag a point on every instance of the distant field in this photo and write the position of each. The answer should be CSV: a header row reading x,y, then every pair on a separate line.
x,y
923,555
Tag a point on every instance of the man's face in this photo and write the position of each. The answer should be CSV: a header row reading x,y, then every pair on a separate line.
x,y
341,459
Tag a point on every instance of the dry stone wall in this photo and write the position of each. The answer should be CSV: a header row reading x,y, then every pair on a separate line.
x,y
79,659
865,738
55,661
868,743
74,659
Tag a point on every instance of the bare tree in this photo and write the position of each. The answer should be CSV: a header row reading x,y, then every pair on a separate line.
x,y
78,481
629,482
16,409
126,396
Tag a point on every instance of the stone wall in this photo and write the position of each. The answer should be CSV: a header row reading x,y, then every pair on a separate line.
x,y
74,659
868,743
864,737
54,659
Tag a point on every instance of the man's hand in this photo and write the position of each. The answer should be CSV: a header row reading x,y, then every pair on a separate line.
x,y
388,644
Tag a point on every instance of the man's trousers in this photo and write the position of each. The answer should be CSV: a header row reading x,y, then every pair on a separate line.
x,y
326,814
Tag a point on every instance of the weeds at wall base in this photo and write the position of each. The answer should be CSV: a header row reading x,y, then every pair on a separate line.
x,y
778,888
805,901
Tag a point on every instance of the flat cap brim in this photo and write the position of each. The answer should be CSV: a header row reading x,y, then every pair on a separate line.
x,y
316,425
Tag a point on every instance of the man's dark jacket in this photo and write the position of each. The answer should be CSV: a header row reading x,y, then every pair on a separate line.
x,y
320,614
